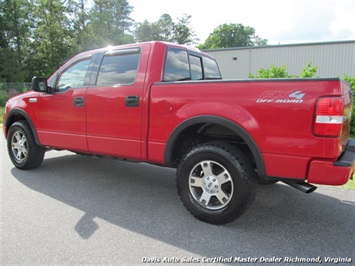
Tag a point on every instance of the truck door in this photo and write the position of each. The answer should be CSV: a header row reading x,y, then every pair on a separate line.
x,y
115,103
61,114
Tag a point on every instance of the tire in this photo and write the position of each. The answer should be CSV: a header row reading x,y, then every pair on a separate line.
x,y
216,182
24,153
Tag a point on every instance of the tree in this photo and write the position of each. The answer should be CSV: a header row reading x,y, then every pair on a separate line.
x,y
82,32
166,26
146,31
111,22
53,36
232,35
183,34
15,27
351,81
165,29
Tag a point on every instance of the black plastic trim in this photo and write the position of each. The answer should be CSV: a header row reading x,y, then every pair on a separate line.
x,y
350,146
16,111
95,68
219,121
347,159
132,101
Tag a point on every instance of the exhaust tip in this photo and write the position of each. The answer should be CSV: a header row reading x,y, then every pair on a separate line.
x,y
310,189
302,186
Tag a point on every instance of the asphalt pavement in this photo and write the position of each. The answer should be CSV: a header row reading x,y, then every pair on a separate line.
x,y
82,210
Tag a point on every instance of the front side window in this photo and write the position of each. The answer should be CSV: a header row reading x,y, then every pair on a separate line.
x,y
118,68
177,66
73,76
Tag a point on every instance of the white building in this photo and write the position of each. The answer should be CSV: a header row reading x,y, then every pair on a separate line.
x,y
334,59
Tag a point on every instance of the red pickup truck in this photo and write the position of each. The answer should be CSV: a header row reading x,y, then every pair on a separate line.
x,y
166,104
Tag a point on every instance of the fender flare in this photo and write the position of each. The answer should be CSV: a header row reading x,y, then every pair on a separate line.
x,y
17,111
219,121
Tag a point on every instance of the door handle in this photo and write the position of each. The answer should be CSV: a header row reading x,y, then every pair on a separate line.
x,y
79,101
132,101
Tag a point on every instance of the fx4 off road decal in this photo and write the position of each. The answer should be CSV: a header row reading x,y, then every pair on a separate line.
x,y
281,97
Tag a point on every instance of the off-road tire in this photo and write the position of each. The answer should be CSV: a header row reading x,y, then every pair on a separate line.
x,y
23,150
210,170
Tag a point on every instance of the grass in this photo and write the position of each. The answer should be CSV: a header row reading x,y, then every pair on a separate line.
x,y
2,111
350,184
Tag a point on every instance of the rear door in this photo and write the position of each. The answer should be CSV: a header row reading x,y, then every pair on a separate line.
x,y
115,103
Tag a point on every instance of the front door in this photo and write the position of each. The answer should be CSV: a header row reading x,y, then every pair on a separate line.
x,y
62,114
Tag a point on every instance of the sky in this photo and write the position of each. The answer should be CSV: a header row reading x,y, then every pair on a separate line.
x,y
279,21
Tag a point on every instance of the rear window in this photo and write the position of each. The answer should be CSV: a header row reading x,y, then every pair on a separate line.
x,y
180,65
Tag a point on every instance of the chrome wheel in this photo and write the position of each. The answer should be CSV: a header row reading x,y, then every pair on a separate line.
x,y
22,147
211,185
19,146
216,182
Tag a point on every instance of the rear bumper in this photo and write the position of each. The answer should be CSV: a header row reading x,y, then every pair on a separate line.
x,y
334,173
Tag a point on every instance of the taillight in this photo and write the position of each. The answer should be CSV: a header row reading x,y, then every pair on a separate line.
x,y
329,117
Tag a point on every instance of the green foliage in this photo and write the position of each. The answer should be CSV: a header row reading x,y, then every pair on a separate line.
x,y
272,72
183,34
37,36
232,35
52,36
2,111
350,185
165,29
9,90
351,81
4,96
308,71
15,25
110,23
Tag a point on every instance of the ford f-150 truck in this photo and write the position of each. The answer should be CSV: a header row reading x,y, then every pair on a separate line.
x,y
167,104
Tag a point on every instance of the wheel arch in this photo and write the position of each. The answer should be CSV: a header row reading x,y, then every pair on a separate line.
x,y
17,114
196,123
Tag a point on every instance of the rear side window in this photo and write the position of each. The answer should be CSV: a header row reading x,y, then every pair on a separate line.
x,y
176,65
211,69
180,65
196,67
118,68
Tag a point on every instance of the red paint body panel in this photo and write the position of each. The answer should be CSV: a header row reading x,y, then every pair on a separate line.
x,y
278,115
60,123
323,172
283,132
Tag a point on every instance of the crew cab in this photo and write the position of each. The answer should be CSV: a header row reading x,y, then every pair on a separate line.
x,y
167,104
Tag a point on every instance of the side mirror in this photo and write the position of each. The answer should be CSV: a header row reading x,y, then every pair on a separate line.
x,y
40,85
